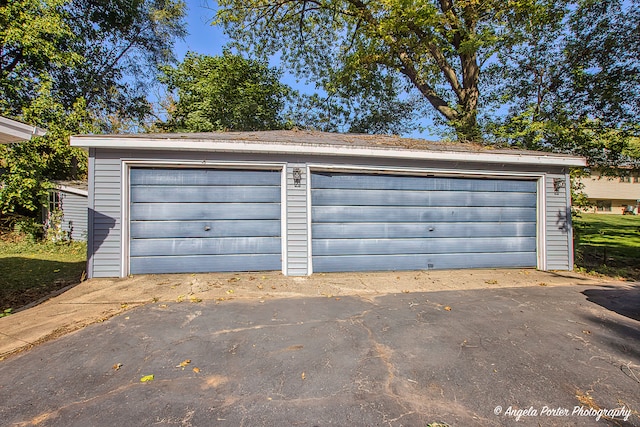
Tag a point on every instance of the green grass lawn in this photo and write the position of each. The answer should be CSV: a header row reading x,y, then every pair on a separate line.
x,y
29,271
608,244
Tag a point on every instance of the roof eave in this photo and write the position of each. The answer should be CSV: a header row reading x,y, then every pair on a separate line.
x,y
275,147
13,131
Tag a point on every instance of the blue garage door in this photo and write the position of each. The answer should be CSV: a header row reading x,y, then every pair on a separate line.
x,y
204,220
364,222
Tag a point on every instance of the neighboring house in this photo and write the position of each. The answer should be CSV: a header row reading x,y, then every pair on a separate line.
x,y
69,198
303,202
14,131
612,195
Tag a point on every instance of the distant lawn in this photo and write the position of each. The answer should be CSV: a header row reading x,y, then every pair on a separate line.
x,y
30,271
608,244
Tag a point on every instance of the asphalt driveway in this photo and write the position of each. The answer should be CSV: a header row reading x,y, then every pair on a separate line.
x,y
564,355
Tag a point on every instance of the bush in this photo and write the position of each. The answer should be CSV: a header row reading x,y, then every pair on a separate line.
x,y
31,228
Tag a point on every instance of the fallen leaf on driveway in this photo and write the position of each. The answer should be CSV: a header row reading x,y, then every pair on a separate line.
x,y
196,299
117,366
230,291
586,332
233,279
196,370
542,284
446,307
260,287
303,376
405,291
491,282
183,363
146,378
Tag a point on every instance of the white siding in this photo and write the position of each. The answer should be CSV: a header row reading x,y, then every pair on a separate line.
x,y
559,228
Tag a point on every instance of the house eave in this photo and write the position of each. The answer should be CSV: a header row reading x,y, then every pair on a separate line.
x,y
277,147
13,131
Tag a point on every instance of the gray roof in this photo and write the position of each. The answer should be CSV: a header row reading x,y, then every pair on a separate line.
x,y
283,141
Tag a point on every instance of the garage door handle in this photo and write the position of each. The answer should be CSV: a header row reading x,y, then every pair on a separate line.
x,y
207,228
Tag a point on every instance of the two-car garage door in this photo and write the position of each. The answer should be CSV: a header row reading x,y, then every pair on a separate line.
x,y
204,220
367,222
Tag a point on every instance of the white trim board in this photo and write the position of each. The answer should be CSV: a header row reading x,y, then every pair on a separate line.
x,y
276,147
15,131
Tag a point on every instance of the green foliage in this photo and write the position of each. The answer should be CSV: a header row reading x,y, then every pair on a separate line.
x,y
433,48
33,37
30,166
104,52
30,228
574,85
579,200
74,66
226,92
122,43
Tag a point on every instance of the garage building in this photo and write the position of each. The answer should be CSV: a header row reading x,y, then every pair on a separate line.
x,y
302,202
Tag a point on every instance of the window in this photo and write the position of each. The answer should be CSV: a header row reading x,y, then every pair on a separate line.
x,y
636,179
603,206
54,201
625,179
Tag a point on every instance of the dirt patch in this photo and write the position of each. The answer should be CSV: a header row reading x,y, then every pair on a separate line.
x,y
229,286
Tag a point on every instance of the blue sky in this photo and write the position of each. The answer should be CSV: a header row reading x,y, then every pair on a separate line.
x,y
206,39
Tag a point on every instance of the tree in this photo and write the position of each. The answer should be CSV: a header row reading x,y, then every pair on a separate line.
x,y
105,52
74,66
31,165
438,47
574,85
226,92
33,37
122,43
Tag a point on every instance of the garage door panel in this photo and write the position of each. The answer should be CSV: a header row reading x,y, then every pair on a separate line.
x,y
205,194
422,262
208,177
204,263
364,222
204,220
398,182
210,211
241,228
340,247
207,246
349,197
420,214
423,229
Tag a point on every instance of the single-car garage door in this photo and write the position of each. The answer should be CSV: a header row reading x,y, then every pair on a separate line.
x,y
204,220
365,222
